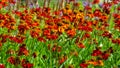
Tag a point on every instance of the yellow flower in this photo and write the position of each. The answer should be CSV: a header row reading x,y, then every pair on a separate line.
x,y
100,62
61,29
67,11
95,62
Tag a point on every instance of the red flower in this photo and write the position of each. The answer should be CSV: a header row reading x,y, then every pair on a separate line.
x,y
54,48
2,66
105,56
11,60
80,45
107,34
17,39
86,35
4,3
57,12
12,1
27,65
22,50
118,41
34,34
114,41
4,38
106,5
35,24
62,60
22,28
97,13
41,39
96,1
46,32
85,28
71,33
59,48
38,9
87,8
54,37
17,13
14,60
97,52
115,15
83,65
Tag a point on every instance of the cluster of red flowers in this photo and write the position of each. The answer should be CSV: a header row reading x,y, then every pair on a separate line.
x,y
99,55
17,61
4,3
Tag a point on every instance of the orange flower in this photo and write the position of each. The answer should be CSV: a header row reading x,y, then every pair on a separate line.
x,y
36,23
104,18
95,62
90,14
4,1
63,59
67,11
61,29
0,5
71,33
34,34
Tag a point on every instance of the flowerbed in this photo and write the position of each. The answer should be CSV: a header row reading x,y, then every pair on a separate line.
x,y
74,36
